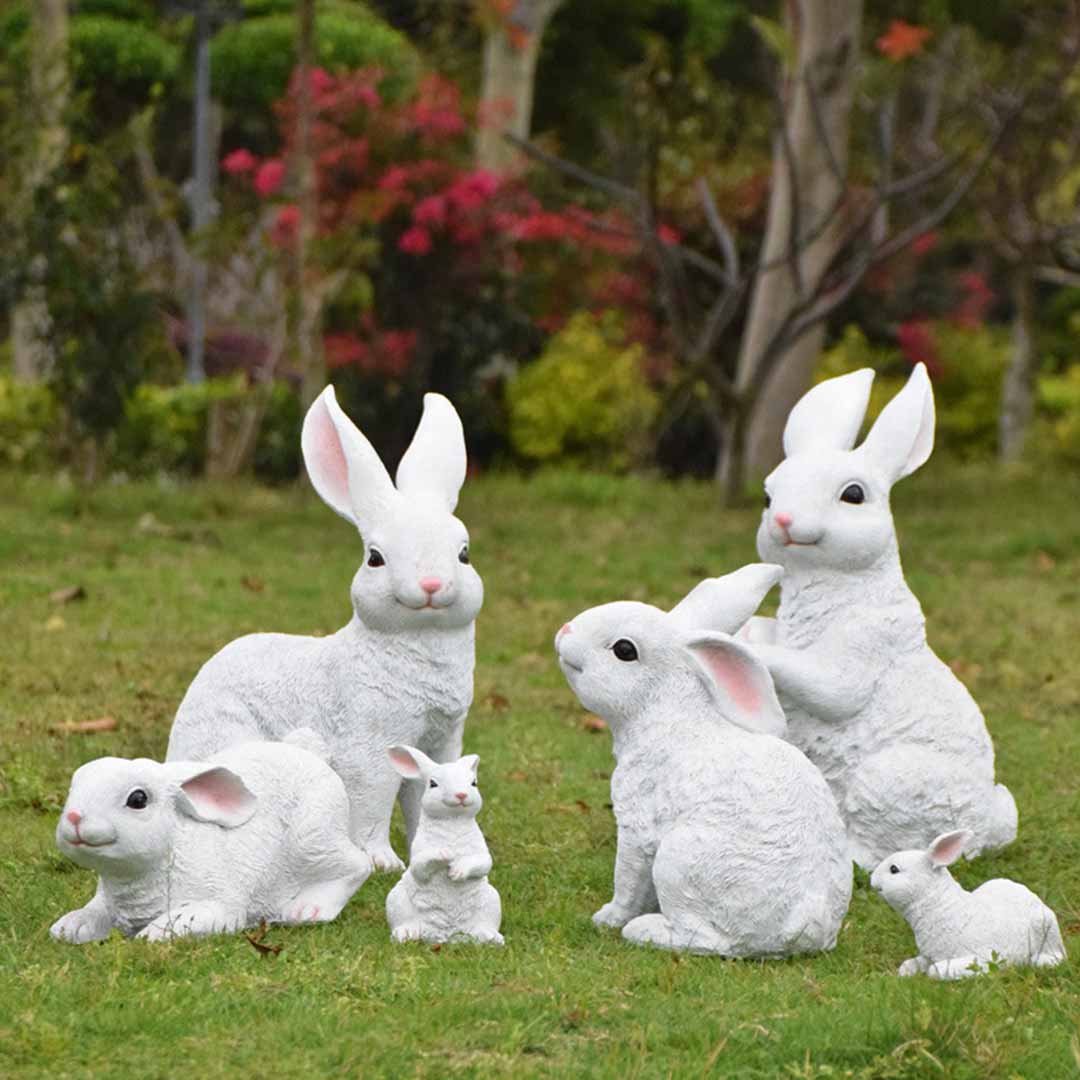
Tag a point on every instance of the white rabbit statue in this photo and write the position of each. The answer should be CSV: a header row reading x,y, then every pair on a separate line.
x,y
729,840
898,737
960,933
402,669
445,894
257,832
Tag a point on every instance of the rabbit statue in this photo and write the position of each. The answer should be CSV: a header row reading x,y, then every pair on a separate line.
x,y
897,736
729,840
402,669
444,895
960,933
257,832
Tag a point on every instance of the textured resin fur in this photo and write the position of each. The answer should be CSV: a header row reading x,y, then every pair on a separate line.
x,y
401,671
258,832
729,841
898,737
960,933
445,894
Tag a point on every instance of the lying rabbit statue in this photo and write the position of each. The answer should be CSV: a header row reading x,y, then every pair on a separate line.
x,y
257,832
402,669
896,734
445,894
723,828
960,933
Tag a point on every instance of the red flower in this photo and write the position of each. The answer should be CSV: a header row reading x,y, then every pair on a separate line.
x,y
344,350
916,339
285,225
415,241
902,39
238,162
394,179
431,211
473,189
923,245
269,177
667,235
978,299
396,349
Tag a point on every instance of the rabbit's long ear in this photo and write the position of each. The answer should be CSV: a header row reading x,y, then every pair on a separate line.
x,y
343,466
410,762
903,435
213,794
433,467
948,847
828,416
725,603
739,681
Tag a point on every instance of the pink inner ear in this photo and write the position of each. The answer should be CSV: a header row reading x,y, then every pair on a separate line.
x,y
948,849
404,762
732,676
330,460
218,789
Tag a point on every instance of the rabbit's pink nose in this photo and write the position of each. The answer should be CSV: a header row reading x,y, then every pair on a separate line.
x,y
431,585
461,796
73,816
783,520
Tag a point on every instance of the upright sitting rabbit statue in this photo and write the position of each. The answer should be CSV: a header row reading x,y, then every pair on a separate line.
x,y
258,832
445,894
896,734
401,671
961,933
729,841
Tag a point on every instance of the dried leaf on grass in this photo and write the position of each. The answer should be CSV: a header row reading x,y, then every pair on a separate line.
x,y
87,727
252,583
257,942
593,724
67,595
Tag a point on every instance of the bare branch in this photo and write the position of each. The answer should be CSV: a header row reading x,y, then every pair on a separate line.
x,y
792,259
822,131
720,231
575,172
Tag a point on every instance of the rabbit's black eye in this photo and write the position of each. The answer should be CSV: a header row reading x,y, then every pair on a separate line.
x,y
894,869
463,555
624,650
475,784
768,500
431,783
375,558
853,493
138,799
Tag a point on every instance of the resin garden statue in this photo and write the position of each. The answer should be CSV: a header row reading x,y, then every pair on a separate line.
x,y
898,737
445,894
401,670
960,933
729,841
259,832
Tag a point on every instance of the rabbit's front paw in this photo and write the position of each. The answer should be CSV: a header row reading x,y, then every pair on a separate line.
x,y
612,914
385,859
910,967
459,869
82,925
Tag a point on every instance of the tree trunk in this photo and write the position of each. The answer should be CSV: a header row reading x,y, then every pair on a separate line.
x,y
825,34
511,50
1018,386
49,86
309,352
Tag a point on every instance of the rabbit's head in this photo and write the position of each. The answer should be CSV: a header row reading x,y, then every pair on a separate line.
x,y
906,876
450,790
826,504
120,815
624,658
416,570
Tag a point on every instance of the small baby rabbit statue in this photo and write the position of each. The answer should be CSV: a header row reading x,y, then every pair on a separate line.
x,y
402,669
729,840
960,933
899,739
444,895
257,832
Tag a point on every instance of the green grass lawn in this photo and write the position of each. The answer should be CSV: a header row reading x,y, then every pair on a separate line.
x,y
994,558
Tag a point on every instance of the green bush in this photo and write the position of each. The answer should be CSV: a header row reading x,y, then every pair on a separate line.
x,y
252,60
1059,400
124,54
967,384
28,419
585,399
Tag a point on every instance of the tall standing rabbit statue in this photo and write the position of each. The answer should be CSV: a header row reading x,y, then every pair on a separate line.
x,y
257,832
445,894
961,933
729,841
401,671
898,737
